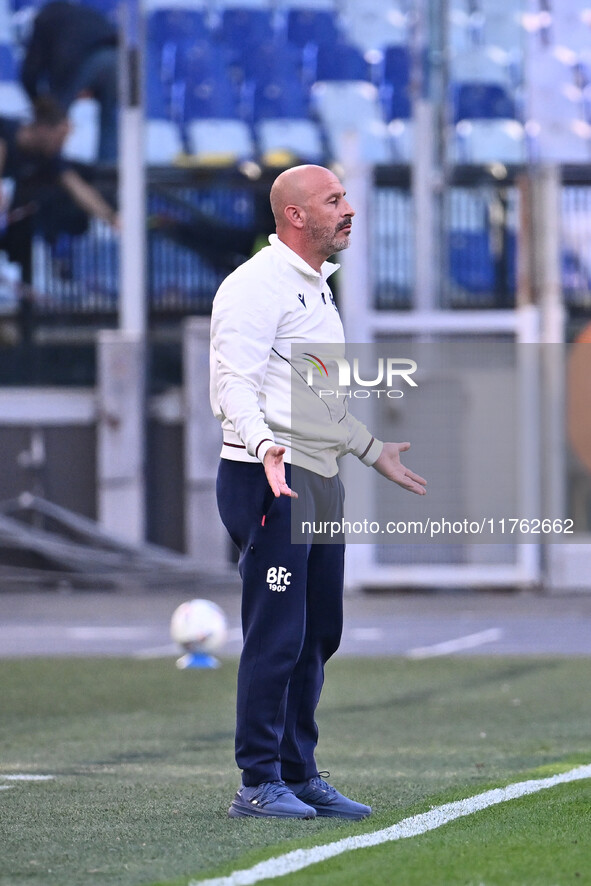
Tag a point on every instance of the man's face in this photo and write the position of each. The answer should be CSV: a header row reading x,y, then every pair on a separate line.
x,y
329,217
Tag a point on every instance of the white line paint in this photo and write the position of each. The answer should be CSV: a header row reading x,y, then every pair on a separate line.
x,y
90,633
157,651
448,647
409,827
6,787
24,776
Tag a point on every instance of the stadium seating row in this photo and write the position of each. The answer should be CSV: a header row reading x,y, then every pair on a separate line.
x,y
252,77
238,80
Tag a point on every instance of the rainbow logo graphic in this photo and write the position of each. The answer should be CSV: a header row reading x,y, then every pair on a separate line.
x,y
317,364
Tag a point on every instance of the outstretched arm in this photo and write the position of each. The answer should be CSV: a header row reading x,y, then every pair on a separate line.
x,y
88,198
389,465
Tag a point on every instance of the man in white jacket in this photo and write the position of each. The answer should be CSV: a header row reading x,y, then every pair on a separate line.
x,y
292,593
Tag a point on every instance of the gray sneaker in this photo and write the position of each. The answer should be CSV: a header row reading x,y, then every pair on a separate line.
x,y
272,799
327,801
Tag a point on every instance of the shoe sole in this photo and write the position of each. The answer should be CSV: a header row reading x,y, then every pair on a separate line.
x,y
233,812
325,813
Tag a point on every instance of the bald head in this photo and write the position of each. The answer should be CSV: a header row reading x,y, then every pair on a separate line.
x,y
311,213
295,186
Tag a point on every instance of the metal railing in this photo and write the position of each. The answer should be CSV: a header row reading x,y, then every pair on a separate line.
x,y
202,223
480,216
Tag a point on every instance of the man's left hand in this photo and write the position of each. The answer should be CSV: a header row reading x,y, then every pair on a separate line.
x,y
390,466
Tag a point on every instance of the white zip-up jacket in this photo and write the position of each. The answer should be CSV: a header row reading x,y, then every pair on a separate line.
x,y
271,302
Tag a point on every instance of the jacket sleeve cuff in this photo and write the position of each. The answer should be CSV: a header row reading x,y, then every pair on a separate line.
x,y
372,452
262,448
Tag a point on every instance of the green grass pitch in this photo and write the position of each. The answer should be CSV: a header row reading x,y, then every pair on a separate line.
x,y
142,759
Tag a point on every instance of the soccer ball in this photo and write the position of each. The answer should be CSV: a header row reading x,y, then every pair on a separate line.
x,y
199,626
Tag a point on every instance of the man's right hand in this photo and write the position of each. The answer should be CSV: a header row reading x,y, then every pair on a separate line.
x,y
275,471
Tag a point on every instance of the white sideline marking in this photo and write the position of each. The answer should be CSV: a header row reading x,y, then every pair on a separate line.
x,y
157,651
23,776
470,641
408,827
91,633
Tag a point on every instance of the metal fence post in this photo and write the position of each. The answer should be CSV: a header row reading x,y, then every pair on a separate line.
x,y
206,539
120,434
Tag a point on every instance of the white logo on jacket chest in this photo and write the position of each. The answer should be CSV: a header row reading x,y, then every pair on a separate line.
x,y
278,578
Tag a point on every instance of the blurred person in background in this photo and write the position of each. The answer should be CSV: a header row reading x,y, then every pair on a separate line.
x,y
50,196
72,53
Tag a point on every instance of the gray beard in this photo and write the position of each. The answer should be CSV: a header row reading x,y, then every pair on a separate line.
x,y
332,243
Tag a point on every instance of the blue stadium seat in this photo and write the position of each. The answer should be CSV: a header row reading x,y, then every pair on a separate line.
x,y
319,26
271,60
345,106
242,27
488,141
157,93
341,61
17,5
284,5
163,137
14,101
481,101
280,97
195,61
472,263
8,64
220,142
395,83
375,25
175,24
169,34
396,65
396,101
163,142
298,139
210,98
245,4
481,64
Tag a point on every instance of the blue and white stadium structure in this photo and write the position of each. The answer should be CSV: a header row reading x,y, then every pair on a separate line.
x,y
278,82
463,131
252,78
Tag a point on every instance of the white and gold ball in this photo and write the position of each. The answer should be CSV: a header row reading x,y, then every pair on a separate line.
x,y
199,626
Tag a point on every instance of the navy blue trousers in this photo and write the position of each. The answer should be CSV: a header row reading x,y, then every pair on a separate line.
x,y
292,615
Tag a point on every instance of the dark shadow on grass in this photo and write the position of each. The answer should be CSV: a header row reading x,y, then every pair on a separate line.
x,y
510,671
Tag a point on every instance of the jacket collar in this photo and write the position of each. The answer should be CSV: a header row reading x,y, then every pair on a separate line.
x,y
298,262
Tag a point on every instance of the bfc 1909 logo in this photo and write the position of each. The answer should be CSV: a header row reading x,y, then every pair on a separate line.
x,y
278,578
389,370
